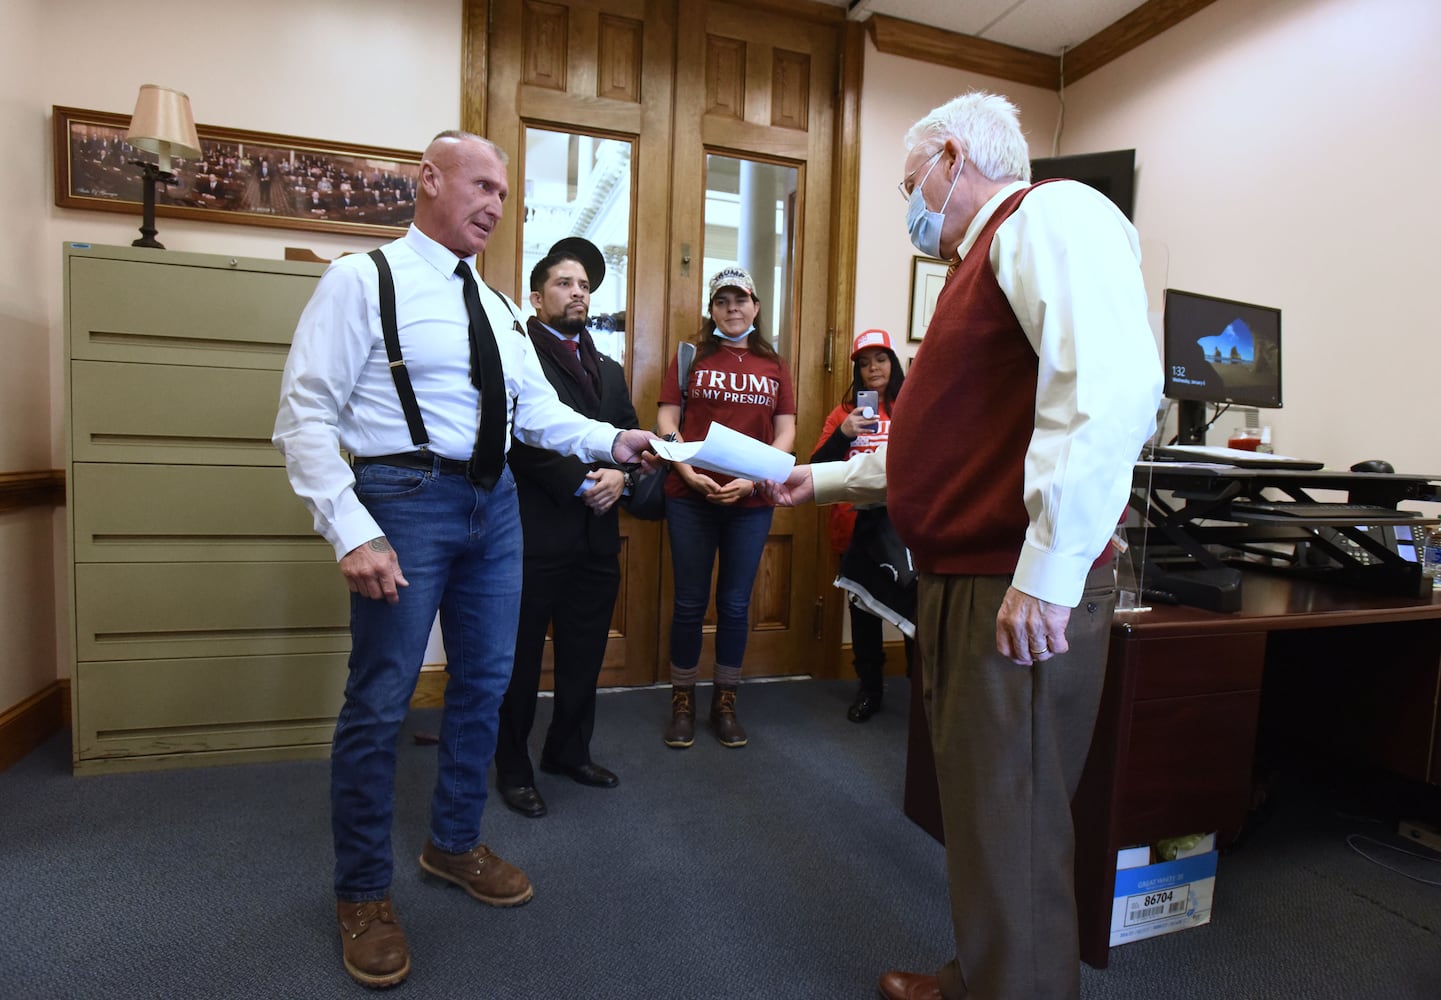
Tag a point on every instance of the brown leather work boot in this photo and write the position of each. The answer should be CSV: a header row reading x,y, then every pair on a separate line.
x,y
680,733
723,716
480,872
372,943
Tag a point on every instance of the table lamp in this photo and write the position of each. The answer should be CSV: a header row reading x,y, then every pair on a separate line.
x,y
162,124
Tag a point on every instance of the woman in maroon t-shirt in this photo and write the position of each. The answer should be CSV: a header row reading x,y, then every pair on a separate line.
x,y
738,380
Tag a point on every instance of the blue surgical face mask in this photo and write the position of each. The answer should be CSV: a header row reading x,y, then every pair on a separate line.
x,y
923,224
739,338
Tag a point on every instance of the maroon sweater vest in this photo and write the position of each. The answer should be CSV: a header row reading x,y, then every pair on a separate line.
x,y
955,467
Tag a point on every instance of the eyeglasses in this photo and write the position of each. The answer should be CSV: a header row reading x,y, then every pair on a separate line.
x,y
905,187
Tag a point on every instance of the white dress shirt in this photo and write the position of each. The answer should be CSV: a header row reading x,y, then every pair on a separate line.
x,y
861,479
337,391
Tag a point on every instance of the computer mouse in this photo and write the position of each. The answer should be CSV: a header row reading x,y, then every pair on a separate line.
x,y
1373,465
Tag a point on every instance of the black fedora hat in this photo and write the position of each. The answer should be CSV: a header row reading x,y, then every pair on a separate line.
x,y
588,254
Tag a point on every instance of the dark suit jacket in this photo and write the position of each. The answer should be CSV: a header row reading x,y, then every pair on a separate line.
x,y
556,522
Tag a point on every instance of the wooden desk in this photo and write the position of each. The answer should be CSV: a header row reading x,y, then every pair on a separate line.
x,y
1176,732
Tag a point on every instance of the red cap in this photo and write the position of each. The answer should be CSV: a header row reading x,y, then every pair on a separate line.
x,y
871,338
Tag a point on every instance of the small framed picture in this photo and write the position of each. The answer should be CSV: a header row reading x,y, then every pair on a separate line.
x,y
928,275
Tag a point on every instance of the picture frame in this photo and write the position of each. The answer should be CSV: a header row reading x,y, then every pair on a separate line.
x,y
928,276
245,177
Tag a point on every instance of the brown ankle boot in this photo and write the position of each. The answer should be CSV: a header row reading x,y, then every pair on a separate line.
x,y
681,731
371,942
723,716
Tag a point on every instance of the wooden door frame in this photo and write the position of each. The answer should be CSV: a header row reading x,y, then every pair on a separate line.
x,y
839,298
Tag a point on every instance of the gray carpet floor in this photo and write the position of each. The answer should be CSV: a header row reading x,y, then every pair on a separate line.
x,y
785,869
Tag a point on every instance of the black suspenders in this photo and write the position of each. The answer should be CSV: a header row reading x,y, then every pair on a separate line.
x,y
398,372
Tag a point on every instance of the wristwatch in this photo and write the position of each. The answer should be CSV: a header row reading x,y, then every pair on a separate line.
x,y
628,480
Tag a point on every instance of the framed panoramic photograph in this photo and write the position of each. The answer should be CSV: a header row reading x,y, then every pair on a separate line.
x,y
251,178
928,275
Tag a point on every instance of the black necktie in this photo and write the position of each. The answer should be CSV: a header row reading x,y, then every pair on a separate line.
x,y
486,374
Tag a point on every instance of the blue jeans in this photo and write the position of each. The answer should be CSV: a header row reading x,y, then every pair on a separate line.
x,y
460,550
698,530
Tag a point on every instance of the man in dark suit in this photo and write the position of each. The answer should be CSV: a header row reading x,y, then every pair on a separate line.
x,y
572,539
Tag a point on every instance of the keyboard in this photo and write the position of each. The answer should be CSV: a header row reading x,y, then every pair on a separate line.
x,y
1232,456
1323,511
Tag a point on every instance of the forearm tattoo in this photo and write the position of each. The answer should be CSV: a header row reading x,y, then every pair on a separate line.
x,y
380,545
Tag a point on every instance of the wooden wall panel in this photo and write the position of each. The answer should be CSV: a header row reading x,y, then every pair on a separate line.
x,y
790,89
619,62
725,77
771,595
546,44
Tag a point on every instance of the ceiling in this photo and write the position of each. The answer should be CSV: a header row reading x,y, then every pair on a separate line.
x,y
1045,26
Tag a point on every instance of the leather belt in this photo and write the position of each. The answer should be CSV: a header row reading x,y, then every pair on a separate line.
x,y
422,460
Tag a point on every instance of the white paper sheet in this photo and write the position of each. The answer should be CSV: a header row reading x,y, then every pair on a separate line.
x,y
730,453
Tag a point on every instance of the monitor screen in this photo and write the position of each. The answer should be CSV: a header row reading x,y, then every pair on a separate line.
x,y
1113,173
1220,351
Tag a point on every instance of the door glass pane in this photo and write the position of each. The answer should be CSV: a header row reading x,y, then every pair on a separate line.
x,y
750,213
579,185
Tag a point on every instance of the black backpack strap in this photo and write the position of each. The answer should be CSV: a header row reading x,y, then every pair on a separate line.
x,y
398,372
685,357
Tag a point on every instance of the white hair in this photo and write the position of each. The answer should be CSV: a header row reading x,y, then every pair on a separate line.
x,y
987,126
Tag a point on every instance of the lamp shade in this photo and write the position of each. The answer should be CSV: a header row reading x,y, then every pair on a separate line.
x,y
163,124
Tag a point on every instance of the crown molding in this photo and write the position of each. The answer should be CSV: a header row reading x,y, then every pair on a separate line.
x,y
898,37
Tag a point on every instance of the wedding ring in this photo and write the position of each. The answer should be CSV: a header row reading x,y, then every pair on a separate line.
x,y
1038,652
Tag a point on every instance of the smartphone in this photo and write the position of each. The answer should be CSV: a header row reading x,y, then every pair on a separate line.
x,y
868,398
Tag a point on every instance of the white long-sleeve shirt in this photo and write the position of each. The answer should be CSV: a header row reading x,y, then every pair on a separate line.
x,y
337,391
1098,381
1082,305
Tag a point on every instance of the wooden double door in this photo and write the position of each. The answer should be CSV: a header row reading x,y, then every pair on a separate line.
x,y
715,108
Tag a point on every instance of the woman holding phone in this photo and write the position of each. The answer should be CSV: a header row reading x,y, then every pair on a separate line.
x,y
737,379
862,423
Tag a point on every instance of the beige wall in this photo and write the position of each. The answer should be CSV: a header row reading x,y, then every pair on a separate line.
x,y
1282,154
315,69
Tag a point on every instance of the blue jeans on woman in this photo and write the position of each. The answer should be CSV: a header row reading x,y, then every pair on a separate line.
x,y
459,548
698,530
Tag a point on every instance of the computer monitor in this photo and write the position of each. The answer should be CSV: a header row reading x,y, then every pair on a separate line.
x,y
1219,351
1112,173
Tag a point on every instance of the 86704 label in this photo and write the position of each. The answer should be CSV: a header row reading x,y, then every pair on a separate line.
x,y
1147,906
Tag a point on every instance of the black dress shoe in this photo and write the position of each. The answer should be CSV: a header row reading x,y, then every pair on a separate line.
x,y
589,773
525,800
865,705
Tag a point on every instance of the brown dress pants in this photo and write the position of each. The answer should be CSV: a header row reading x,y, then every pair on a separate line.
x,y
1010,743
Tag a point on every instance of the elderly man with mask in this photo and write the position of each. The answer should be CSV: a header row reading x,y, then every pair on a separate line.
x,y
1031,397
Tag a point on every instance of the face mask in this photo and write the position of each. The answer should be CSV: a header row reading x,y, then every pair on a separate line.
x,y
923,224
736,339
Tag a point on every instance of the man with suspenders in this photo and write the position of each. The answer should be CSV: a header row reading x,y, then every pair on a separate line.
x,y
425,521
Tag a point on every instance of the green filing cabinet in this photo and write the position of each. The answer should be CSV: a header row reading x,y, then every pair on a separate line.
x,y
209,621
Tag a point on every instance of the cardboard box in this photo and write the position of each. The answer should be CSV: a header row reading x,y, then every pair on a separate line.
x,y
1157,899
